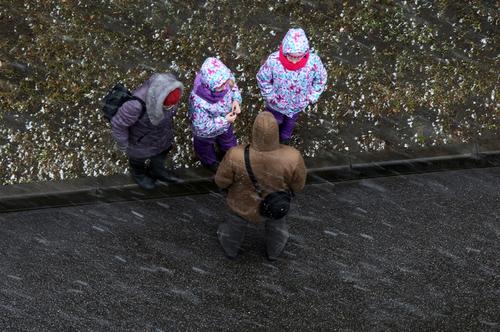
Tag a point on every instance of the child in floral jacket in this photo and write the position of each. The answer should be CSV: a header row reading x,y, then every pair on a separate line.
x,y
290,80
214,104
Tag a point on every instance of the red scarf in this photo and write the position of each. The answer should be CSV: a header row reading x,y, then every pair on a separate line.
x,y
290,65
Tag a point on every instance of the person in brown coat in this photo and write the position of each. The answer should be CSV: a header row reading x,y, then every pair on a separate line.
x,y
276,167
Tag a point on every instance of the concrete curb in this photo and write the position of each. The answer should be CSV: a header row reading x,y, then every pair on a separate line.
x,y
405,166
199,181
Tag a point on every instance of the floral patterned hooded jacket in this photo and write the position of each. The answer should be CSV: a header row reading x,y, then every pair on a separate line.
x,y
209,119
290,91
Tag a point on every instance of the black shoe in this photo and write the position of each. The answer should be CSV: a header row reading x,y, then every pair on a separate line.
x,y
138,170
158,171
271,258
164,175
144,181
232,258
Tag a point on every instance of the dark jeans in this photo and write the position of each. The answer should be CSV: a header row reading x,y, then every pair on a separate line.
x,y
231,234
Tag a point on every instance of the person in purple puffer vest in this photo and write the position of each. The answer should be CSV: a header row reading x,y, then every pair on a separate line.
x,y
214,104
291,79
147,136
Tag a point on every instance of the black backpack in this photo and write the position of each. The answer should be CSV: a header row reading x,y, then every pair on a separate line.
x,y
115,98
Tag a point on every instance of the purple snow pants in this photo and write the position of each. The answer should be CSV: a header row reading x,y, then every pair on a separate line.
x,y
285,123
205,147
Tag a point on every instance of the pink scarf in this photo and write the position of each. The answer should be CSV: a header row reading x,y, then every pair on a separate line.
x,y
290,65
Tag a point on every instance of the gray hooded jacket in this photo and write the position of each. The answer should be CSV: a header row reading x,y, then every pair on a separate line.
x,y
151,134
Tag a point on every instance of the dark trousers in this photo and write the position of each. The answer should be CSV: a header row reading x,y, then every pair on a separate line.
x,y
205,147
141,165
231,234
286,124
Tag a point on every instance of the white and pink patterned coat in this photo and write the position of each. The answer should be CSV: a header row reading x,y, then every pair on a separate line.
x,y
290,92
209,120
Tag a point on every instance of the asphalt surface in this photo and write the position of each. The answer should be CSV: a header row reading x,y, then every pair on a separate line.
x,y
417,252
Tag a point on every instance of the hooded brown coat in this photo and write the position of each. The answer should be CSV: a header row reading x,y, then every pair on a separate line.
x,y
275,166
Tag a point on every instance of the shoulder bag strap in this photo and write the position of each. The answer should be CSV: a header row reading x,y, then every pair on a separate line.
x,y
250,172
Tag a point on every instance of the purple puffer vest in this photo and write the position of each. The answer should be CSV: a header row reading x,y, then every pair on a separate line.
x,y
151,134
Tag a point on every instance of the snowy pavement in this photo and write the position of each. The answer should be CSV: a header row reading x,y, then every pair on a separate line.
x,y
416,252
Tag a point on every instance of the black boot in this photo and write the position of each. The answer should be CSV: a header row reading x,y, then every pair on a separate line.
x,y
138,170
157,169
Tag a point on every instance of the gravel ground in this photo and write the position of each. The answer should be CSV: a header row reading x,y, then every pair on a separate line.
x,y
402,74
